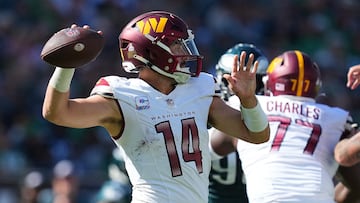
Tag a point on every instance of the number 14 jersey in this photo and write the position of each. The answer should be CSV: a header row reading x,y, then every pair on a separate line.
x,y
165,137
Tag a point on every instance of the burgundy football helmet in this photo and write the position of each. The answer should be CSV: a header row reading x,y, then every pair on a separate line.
x,y
292,73
147,39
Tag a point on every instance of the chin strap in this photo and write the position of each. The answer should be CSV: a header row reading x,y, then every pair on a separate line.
x,y
179,77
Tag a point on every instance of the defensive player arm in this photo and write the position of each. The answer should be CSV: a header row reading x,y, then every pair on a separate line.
x,y
230,121
347,190
341,192
221,144
347,151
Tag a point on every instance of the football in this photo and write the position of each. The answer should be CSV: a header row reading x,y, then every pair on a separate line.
x,y
72,47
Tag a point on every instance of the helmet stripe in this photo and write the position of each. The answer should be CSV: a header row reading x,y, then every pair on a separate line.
x,y
273,64
301,73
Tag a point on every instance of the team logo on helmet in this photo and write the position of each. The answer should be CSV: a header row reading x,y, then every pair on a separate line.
x,y
145,26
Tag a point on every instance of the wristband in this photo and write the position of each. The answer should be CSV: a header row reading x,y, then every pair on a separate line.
x,y
61,79
255,118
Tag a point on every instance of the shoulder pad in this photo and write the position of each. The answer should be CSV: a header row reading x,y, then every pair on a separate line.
x,y
103,88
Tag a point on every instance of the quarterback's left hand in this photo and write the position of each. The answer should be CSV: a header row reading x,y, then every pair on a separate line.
x,y
242,80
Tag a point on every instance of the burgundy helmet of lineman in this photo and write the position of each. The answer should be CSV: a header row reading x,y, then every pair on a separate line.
x,y
145,42
292,73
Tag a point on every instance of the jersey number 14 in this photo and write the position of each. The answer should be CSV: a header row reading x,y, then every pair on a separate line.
x,y
189,133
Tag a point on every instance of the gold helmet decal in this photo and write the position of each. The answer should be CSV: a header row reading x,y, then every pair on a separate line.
x,y
300,80
152,24
273,64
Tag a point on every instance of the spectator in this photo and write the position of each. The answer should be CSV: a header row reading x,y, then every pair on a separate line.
x,y
31,186
64,185
117,188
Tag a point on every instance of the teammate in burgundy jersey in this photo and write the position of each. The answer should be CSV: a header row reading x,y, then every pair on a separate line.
x,y
297,164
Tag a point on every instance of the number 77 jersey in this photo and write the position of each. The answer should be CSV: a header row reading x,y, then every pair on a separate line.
x,y
297,164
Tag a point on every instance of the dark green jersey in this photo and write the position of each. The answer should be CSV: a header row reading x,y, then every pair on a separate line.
x,y
226,181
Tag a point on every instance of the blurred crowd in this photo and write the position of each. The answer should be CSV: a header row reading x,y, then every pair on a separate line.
x,y
328,30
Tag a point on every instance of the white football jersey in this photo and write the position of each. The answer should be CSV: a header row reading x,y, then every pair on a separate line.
x,y
297,164
165,137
